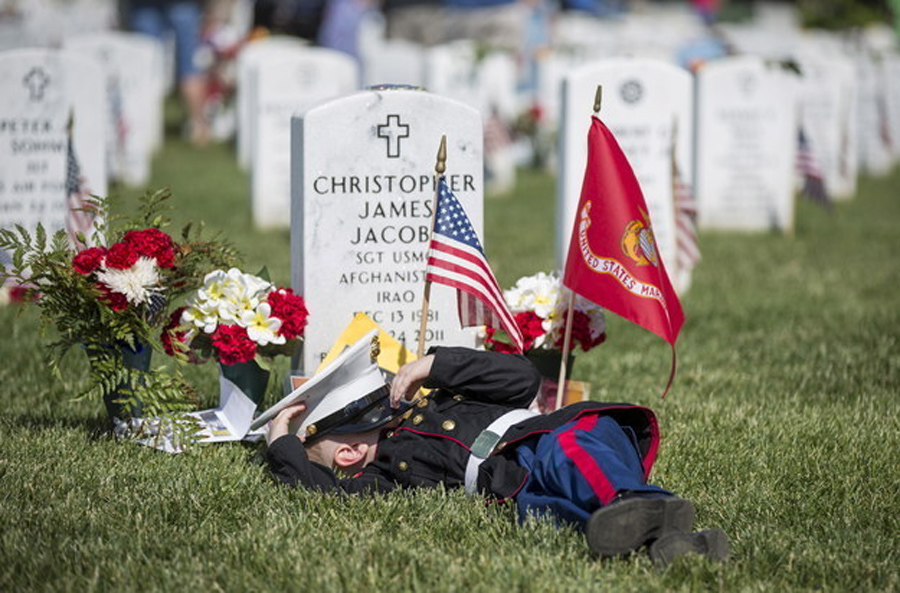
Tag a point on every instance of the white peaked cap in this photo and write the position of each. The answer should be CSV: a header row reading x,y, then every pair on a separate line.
x,y
352,375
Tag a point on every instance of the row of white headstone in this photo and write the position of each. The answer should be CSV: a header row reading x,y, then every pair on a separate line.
x,y
280,76
359,166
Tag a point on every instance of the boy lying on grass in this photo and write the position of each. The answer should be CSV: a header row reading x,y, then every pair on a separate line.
x,y
585,465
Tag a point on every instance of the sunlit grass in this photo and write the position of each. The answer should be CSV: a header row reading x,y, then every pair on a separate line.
x,y
782,426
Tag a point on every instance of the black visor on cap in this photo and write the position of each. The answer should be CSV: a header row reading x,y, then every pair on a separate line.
x,y
362,415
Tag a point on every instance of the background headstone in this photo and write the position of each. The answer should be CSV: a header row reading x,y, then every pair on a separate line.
x,y
285,86
875,142
827,96
362,193
133,65
647,104
250,56
890,66
746,145
40,92
393,62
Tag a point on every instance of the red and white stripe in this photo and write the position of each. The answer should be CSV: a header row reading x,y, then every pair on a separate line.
x,y
480,299
687,249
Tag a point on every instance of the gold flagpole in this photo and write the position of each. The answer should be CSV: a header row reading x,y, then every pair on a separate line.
x,y
439,167
570,314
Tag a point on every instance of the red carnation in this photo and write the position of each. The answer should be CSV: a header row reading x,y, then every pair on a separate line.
x,y
233,344
497,345
121,256
581,332
23,293
116,300
531,325
87,261
153,243
291,310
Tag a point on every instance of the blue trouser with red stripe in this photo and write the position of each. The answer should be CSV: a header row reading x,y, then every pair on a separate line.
x,y
580,467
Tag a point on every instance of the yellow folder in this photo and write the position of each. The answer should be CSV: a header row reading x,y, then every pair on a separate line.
x,y
392,355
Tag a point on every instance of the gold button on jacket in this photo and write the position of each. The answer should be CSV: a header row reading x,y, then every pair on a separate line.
x,y
417,419
448,425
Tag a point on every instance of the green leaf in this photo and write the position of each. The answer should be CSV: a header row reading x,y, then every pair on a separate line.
x,y
264,362
41,238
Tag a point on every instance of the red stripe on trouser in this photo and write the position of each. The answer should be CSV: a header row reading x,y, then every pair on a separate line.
x,y
585,463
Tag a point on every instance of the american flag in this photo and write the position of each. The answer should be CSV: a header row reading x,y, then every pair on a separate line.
x,y
687,253
117,113
456,258
884,122
80,216
808,168
496,134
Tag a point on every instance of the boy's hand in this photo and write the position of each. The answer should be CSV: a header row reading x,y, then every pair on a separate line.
x,y
278,427
409,379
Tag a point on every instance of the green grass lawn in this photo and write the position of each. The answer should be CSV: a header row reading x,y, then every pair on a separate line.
x,y
783,426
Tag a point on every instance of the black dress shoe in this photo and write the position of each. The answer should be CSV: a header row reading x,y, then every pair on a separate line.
x,y
629,523
711,543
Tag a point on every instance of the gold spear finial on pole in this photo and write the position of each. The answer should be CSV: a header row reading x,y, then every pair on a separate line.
x,y
441,165
598,98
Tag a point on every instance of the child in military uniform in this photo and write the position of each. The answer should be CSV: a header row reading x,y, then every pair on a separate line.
x,y
586,464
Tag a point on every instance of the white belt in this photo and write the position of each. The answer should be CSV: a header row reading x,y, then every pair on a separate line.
x,y
484,445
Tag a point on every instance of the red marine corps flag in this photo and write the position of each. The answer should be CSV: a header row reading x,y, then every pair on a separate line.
x,y
613,258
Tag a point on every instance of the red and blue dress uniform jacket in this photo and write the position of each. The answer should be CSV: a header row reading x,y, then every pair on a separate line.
x,y
430,446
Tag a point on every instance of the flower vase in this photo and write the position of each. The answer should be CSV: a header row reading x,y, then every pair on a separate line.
x,y
138,360
249,377
548,363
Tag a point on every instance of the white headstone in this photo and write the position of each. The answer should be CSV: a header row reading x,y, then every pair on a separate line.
x,y
890,65
827,95
362,191
746,145
394,62
456,71
47,23
248,59
648,106
133,65
875,142
285,86
40,91
487,83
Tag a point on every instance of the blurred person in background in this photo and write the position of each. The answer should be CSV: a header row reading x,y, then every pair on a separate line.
x,y
418,21
298,18
183,20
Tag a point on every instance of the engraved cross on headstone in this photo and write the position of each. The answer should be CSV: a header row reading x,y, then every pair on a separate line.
x,y
36,81
393,131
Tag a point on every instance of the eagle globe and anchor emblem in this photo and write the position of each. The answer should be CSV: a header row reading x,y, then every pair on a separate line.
x,y
638,242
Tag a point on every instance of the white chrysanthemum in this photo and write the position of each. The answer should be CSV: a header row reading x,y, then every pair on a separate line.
x,y
137,283
261,327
